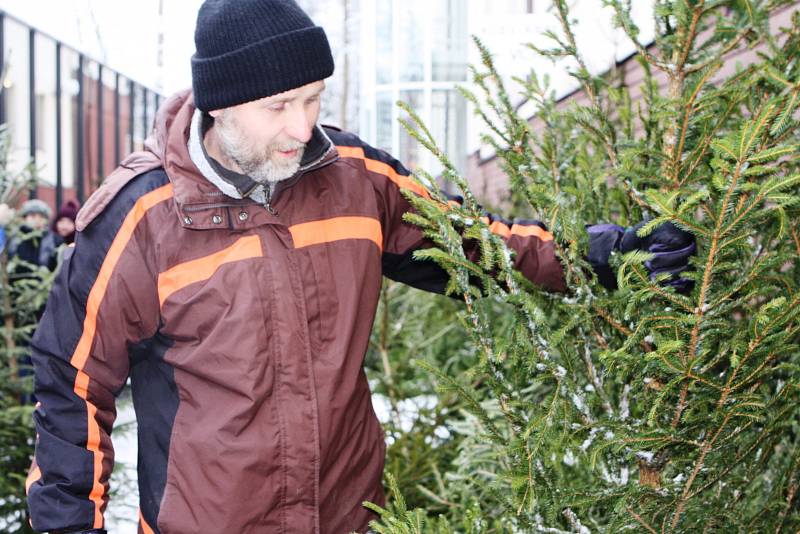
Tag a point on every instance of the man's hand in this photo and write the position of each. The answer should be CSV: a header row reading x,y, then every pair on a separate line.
x,y
671,248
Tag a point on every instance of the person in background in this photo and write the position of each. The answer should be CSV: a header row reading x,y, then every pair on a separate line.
x,y
28,247
32,247
62,232
64,222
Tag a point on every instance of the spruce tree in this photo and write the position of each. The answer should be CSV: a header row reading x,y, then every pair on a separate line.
x,y
20,298
641,409
414,326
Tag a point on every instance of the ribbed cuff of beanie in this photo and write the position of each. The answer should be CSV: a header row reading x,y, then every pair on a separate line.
x,y
265,68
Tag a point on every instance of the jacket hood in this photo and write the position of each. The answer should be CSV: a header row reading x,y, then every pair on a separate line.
x,y
169,143
155,155
167,147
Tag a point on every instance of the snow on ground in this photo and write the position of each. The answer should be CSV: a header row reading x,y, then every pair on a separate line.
x,y
122,514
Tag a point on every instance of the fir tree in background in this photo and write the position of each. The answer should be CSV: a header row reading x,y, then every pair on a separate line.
x,y
20,298
643,409
410,326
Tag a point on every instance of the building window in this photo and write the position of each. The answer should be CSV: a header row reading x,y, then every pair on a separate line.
x,y
384,121
411,53
448,126
449,49
410,152
45,62
421,54
384,41
70,87
16,86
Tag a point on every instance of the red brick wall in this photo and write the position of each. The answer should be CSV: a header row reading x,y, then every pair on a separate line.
x,y
92,174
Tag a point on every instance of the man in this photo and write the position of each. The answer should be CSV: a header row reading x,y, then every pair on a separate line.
x,y
233,271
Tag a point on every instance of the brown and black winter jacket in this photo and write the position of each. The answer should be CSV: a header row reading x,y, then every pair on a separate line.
x,y
243,333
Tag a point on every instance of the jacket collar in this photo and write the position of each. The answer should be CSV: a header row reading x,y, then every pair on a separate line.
x,y
199,201
237,185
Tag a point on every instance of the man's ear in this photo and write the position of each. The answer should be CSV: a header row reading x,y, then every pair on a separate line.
x,y
215,113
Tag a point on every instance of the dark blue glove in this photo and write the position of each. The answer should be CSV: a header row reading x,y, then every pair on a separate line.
x,y
671,248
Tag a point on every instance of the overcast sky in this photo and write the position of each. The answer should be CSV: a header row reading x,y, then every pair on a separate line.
x,y
123,34
127,37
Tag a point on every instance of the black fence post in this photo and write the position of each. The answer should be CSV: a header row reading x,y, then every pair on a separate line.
x,y
32,103
59,147
79,191
117,158
100,128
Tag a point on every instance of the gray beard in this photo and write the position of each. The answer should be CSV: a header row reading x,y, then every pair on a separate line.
x,y
266,171
259,167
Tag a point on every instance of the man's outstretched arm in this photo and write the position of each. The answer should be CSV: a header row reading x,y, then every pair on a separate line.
x,y
533,244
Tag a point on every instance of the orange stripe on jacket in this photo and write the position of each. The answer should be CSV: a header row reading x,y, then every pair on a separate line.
x,y
402,181
337,229
147,529
204,268
83,349
502,229
405,182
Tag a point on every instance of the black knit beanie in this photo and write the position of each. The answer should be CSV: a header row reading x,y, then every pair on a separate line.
x,y
251,49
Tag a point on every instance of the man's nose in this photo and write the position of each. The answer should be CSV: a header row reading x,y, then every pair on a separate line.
x,y
299,126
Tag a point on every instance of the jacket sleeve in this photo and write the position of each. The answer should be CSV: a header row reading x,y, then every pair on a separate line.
x,y
535,251
103,299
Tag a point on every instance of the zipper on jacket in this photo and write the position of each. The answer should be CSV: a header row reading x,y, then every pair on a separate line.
x,y
268,188
271,188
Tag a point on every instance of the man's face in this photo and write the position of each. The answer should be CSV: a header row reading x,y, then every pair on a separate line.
x,y
266,138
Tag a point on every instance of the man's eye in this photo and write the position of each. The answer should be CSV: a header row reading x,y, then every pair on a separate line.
x,y
312,100
276,107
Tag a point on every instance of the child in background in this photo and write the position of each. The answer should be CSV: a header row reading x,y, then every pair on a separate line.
x,y
62,231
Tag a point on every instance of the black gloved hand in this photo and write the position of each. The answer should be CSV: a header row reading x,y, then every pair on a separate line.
x,y
671,248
